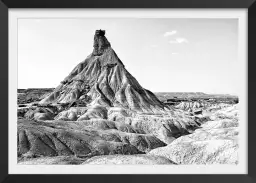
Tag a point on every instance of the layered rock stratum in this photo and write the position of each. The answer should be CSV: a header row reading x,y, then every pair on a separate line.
x,y
103,79
100,114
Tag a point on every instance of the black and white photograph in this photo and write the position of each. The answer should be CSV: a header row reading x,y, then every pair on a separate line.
x,y
130,90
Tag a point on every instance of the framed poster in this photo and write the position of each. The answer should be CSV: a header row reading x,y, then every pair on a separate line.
x,y
127,91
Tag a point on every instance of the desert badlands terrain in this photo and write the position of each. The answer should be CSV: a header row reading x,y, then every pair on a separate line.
x,y
100,114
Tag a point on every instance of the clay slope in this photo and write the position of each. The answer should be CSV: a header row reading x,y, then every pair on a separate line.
x,y
140,159
102,79
102,159
82,139
215,142
192,105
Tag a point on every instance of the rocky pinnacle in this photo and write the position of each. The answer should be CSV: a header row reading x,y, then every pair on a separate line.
x,y
100,42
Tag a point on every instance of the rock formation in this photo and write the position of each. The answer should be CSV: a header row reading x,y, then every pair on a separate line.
x,y
100,43
215,142
100,114
103,79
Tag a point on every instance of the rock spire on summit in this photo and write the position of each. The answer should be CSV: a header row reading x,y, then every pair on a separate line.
x,y
100,43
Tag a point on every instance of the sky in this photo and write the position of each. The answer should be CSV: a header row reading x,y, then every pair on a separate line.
x,y
164,55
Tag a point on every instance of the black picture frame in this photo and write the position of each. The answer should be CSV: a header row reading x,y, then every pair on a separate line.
x,y
5,4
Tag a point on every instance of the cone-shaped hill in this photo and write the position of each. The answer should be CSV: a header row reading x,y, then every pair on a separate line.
x,y
100,114
101,79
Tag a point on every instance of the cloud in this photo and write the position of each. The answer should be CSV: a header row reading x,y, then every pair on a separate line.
x,y
174,53
170,33
179,40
